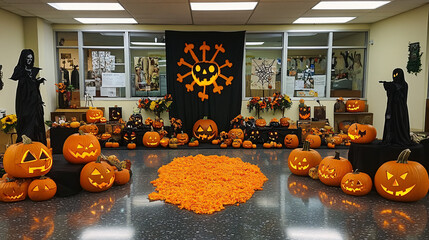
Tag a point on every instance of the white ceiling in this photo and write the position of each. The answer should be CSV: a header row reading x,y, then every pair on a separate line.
x,y
176,12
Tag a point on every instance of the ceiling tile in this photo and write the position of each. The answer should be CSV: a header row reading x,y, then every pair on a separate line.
x,y
215,17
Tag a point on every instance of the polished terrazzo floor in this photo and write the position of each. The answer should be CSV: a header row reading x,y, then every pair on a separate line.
x,y
289,207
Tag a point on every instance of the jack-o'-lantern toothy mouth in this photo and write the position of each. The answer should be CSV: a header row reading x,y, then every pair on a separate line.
x,y
299,166
355,189
84,154
94,118
152,144
398,193
101,185
14,197
304,116
350,108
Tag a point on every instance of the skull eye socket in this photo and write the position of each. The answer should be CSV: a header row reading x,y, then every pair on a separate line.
x,y
403,176
95,172
28,157
79,146
389,175
211,68
198,68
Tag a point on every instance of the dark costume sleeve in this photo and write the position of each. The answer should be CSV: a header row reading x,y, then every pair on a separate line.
x,y
397,124
28,102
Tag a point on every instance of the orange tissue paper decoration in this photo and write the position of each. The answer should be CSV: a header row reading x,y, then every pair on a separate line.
x,y
205,184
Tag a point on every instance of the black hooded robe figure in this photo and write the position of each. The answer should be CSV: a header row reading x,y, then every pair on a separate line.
x,y
28,101
397,124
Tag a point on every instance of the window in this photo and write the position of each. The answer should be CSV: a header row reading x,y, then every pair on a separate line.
x,y
148,65
104,64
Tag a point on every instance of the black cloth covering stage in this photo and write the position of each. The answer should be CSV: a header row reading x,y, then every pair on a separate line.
x,y
368,158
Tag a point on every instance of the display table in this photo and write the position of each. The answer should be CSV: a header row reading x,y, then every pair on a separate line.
x,y
66,176
368,158
59,136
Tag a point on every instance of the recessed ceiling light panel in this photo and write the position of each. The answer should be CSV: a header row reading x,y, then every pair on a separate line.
x,y
87,6
349,5
106,20
222,6
323,20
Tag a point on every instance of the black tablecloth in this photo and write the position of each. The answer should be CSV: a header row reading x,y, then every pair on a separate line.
x,y
66,176
59,136
369,157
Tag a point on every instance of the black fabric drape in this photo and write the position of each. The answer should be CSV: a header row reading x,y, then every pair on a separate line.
x,y
200,55
28,101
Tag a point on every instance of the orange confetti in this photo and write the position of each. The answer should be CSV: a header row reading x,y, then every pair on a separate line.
x,y
204,184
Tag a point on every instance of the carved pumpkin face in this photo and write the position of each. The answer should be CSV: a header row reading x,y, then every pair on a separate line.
x,y
115,113
182,138
273,136
355,105
284,122
81,148
402,180
362,133
42,189
254,136
97,176
205,73
12,190
236,133
291,141
93,115
315,140
137,119
151,139
333,168
304,113
301,160
261,122
27,159
356,183
129,137
103,120
158,123
89,128
205,130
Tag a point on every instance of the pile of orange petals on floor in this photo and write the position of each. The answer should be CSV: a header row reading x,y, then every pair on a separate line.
x,y
204,184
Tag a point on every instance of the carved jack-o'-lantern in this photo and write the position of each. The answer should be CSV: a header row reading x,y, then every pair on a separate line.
x,y
81,148
291,141
260,122
205,130
130,136
333,168
356,183
301,160
137,119
13,190
284,122
182,138
27,159
93,115
115,113
236,133
315,140
402,180
273,136
97,176
42,189
151,139
362,133
254,136
158,123
355,105
89,128
304,113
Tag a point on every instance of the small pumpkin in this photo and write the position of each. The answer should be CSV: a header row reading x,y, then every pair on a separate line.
x,y
268,145
313,172
173,142
355,105
236,143
223,145
81,148
75,124
115,144
108,144
315,140
205,130
89,128
215,141
93,115
164,141
260,122
362,133
331,145
402,180
291,141
158,123
300,160
122,176
236,133
131,145
333,168
13,190
103,120
247,144
182,138
193,143
42,189
105,136
284,122
97,176
151,139
356,183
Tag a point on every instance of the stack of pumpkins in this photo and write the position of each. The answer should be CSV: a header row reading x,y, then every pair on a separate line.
x,y
99,172
25,164
398,180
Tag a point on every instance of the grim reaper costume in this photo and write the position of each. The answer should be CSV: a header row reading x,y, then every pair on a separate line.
x,y
28,101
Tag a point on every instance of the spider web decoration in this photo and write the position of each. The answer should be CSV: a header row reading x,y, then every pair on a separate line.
x,y
263,74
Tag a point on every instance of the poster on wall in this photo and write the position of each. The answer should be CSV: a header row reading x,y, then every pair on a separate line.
x,y
263,74
146,73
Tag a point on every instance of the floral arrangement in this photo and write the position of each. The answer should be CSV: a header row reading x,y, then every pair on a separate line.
x,y
280,102
277,102
65,94
258,103
8,123
157,106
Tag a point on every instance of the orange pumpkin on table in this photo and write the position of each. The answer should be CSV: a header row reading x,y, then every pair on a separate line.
x,y
193,143
291,141
236,133
81,148
356,183
315,140
333,168
284,122
362,133
301,160
260,122
97,176
42,189
93,115
205,130
13,190
182,138
151,139
355,105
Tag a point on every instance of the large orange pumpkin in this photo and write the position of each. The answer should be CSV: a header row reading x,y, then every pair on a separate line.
x,y
13,190
81,148
42,189
205,130
356,183
315,140
27,159
300,160
355,105
97,176
362,133
402,180
93,115
291,141
151,139
333,168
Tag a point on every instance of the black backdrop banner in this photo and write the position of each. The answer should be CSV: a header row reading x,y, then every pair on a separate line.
x,y
204,76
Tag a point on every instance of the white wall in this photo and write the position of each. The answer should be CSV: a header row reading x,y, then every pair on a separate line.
x,y
11,44
390,50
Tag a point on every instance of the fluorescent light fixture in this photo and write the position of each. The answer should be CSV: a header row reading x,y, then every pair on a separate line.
x,y
302,233
322,20
148,43
105,20
349,5
87,6
254,43
222,6
94,233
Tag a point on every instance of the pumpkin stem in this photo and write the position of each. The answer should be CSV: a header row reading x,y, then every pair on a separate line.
x,y
205,117
356,171
98,159
81,132
306,146
403,156
337,155
151,128
26,140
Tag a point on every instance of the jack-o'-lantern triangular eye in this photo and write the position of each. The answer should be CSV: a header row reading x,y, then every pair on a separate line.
x,y
43,154
28,157
200,129
403,176
46,188
95,172
389,175
107,170
36,189
79,146
209,129
358,183
91,146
